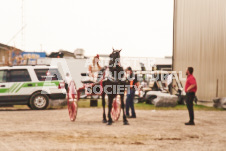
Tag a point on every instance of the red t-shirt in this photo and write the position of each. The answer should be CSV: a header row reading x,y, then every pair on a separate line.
x,y
190,81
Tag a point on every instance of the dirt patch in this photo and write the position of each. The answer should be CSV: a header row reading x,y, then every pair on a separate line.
x,y
51,130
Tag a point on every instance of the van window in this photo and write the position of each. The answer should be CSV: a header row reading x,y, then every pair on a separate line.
x,y
48,74
19,75
3,74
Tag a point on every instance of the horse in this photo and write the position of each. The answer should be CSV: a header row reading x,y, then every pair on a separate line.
x,y
111,85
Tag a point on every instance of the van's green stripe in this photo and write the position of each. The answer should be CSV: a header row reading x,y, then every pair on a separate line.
x,y
21,87
24,85
38,84
3,90
15,87
18,87
9,89
12,87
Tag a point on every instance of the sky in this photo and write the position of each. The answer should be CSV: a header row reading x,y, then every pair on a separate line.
x,y
141,28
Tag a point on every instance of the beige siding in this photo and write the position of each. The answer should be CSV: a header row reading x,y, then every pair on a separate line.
x,y
200,41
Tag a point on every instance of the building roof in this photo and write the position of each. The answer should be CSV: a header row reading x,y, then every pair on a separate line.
x,y
6,47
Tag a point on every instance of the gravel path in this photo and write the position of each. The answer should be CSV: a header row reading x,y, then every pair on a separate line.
x,y
51,130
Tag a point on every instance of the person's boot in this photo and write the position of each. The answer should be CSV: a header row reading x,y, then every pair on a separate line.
x,y
190,123
133,116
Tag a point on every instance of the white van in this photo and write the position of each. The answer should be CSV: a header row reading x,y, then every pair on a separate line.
x,y
30,85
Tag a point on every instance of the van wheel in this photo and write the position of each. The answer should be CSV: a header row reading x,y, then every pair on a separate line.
x,y
39,101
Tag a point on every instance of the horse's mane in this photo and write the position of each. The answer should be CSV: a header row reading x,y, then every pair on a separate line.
x,y
114,67
114,64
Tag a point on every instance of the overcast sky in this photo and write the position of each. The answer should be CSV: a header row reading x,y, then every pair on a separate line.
x,y
141,28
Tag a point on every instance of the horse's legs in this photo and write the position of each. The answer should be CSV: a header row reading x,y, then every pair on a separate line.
x,y
125,122
103,105
110,100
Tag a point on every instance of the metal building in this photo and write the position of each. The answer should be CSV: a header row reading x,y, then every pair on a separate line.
x,y
200,42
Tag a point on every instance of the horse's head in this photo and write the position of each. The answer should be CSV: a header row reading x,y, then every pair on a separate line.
x,y
115,54
114,57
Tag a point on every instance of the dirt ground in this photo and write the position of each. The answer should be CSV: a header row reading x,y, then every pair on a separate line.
x,y
51,130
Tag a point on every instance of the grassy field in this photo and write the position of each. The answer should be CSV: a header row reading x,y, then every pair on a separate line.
x,y
144,106
85,103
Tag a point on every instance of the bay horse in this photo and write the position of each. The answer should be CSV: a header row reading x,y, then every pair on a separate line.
x,y
113,85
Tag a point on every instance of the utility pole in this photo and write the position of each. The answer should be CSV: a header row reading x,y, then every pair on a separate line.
x,y
22,25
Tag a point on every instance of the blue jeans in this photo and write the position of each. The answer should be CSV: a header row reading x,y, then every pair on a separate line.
x,y
130,103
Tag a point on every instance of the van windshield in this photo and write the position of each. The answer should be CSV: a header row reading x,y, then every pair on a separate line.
x,y
48,74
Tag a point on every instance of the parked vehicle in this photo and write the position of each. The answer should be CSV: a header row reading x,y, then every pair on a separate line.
x,y
157,82
30,85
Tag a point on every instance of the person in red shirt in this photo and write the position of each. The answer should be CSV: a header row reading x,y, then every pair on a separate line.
x,y
190,89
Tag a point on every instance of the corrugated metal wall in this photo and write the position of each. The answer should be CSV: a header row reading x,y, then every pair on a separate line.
x,y
200,42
